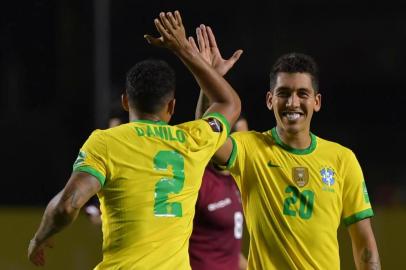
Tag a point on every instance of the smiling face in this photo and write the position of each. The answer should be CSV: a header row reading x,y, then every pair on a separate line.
x,y
293,100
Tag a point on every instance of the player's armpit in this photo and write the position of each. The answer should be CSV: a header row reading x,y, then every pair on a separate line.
x,y
223,154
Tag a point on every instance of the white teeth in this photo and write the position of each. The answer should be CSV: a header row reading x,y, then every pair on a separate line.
x,y
292,116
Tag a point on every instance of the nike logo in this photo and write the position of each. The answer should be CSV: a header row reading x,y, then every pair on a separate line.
x,y
270,164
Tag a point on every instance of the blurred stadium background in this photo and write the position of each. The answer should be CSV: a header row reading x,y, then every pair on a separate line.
x,y
63,63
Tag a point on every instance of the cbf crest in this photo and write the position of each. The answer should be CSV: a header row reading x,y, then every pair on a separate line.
x,y
300,175
328,177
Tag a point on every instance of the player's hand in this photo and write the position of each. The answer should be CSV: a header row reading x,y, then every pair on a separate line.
x,y
36,251
172,32
207,47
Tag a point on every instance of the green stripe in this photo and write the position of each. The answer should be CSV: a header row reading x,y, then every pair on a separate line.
x,y
292,150
222,119
233,153
100,177
358,216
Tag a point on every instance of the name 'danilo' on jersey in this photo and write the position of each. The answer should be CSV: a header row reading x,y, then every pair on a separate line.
x,y
163,132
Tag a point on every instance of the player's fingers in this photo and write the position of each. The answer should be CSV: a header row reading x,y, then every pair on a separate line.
x,y
172,20
212,38
193,43
237,54
41,259
200,39
165,22
178,17
205,37
153,41
37,258
161,29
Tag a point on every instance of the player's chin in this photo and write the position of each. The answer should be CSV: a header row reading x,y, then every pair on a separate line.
x,y
293,127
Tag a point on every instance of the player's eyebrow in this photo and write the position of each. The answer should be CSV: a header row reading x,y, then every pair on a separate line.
x,y
283,88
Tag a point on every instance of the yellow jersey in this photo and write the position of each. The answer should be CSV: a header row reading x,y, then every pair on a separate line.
x,y
294,200
150,174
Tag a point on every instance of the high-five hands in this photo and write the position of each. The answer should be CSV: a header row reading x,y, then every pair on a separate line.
x,y
207,46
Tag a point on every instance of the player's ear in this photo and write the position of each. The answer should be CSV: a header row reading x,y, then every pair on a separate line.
x,y
171,106
124,102
317,101
269,96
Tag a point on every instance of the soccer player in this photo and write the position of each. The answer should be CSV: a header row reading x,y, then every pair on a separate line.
x,y
146,173
296,187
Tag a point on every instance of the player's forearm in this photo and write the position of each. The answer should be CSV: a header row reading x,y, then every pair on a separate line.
x,y
202,105
367,258
215,87
56,217
364,246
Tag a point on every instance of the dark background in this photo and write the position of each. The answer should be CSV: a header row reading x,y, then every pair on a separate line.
x,y
51,97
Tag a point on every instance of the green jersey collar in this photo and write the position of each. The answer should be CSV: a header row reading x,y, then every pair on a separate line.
x,y
158,122
292,150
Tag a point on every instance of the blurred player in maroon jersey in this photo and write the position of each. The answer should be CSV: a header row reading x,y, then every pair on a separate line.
x,y
216,239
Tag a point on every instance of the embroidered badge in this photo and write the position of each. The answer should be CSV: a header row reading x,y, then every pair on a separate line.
x,y
80,159
215,124
328,177
300,176
365,192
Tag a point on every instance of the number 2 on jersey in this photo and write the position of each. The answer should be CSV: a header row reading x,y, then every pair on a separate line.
x,y
166,186
306,201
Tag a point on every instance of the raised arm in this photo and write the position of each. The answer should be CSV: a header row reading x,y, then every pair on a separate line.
x,y
221,95
61,211
208,49
364,247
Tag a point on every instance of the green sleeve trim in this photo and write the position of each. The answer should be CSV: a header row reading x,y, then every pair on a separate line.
x,y
358,216
100,177
222,118
233,155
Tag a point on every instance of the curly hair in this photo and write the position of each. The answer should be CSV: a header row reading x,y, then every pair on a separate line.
x,y
293,63
150,84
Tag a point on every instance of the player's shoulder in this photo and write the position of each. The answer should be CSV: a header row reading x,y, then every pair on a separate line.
x,y
97,134
110,133
333,146
249,135
107,132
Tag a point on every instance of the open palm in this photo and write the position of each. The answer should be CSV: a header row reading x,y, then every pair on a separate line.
x,y
208,49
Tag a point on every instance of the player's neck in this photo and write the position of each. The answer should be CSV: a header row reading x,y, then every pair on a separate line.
x,y
134,116
298,140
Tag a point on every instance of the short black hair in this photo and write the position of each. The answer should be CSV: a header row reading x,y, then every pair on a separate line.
x,y
150,84
294,63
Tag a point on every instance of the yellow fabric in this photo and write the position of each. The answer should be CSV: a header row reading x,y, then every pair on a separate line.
x,y
151,173
293,224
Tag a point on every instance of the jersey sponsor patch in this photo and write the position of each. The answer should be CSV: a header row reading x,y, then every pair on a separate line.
x,y
220,204
215,124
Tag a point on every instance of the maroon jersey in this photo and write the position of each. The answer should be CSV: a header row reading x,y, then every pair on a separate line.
x,y
217,227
